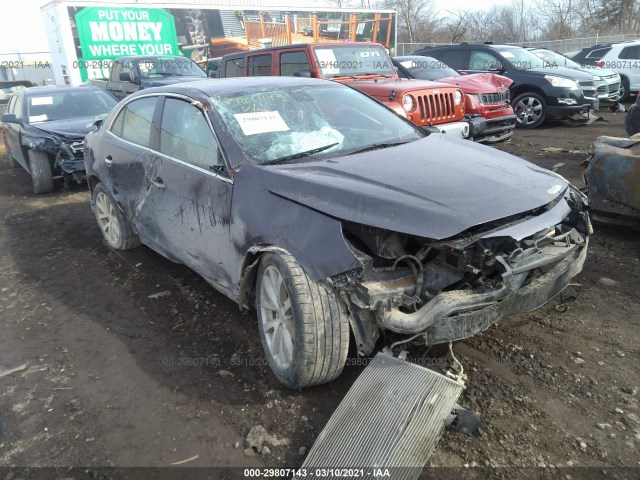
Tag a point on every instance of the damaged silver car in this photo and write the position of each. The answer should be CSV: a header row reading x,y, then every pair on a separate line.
x,y
332,216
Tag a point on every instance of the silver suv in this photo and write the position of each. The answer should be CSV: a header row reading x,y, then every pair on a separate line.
x,y
623,58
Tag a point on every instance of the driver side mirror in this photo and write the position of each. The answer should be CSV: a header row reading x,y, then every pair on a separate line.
x,y
126,77
497,67
10,118
302,73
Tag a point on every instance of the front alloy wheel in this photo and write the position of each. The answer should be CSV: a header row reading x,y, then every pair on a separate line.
x,y
530,110
276,317
304,325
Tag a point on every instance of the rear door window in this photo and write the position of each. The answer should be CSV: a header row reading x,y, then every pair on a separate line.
x,y
456,59
134,121
630,53
259,65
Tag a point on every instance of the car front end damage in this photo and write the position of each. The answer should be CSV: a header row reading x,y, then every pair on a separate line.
x,y
65,152
500,121
445,290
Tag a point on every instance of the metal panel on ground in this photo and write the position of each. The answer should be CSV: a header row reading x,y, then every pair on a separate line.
x,y
391,418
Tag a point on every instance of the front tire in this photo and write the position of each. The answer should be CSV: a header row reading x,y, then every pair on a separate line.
x,y
624,89
41,175
303,325
530,110
115,228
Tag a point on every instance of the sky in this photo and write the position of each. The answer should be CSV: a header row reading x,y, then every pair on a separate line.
x,y
23,27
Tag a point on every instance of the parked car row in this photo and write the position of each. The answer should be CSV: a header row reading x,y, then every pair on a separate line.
x,y
623,58
538,91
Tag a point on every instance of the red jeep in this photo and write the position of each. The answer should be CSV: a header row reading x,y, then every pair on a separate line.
x,y
368,68
487,94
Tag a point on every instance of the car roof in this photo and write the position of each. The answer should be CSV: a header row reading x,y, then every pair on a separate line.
x,y
223,86
58,89
302,45
412,57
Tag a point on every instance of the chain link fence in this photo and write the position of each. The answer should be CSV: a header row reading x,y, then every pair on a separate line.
x,y
567,45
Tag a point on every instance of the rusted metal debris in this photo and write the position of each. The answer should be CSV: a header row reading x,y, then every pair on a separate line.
x,y
612,176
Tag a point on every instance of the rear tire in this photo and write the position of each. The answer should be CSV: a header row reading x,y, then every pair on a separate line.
x,y
624,89
41,175
530,110
304,326
115,228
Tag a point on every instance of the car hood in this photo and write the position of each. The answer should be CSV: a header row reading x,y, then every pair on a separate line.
x,y
436,187
563,72
601,72
159,82
381,86
479,82
75,128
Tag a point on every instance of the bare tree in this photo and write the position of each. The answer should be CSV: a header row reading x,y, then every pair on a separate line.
x,y
558,18
416,19
458,25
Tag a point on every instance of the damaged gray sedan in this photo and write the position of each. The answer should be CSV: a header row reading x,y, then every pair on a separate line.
x,y
332,216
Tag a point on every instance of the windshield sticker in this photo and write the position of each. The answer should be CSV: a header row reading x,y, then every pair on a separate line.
x,y
261,122
42,101
507,54
37,118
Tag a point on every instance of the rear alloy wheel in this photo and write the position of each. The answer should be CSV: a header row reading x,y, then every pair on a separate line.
x,y
624,89
115,228
303,325
41,175
530,110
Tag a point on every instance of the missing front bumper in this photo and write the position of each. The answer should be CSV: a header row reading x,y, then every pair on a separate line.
x,y
457,315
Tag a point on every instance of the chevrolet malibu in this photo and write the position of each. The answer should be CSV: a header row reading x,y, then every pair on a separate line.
x,y
331,216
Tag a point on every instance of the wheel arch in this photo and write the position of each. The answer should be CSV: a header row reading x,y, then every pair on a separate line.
x,y
249,273
520,89
92,181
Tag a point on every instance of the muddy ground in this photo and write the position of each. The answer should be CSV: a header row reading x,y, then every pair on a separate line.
x,y
116,378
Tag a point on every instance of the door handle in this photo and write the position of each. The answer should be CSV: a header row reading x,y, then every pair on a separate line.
x,y
158,183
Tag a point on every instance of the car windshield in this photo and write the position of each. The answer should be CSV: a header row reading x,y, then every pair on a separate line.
x,y
68,104
170,66
555,59
426,68
304,122
522,59
353,59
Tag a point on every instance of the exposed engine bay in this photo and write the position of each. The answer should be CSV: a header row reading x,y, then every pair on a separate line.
x,y
450,289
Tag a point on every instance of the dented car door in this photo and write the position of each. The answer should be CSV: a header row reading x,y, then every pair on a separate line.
x,y
125,158
189,197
